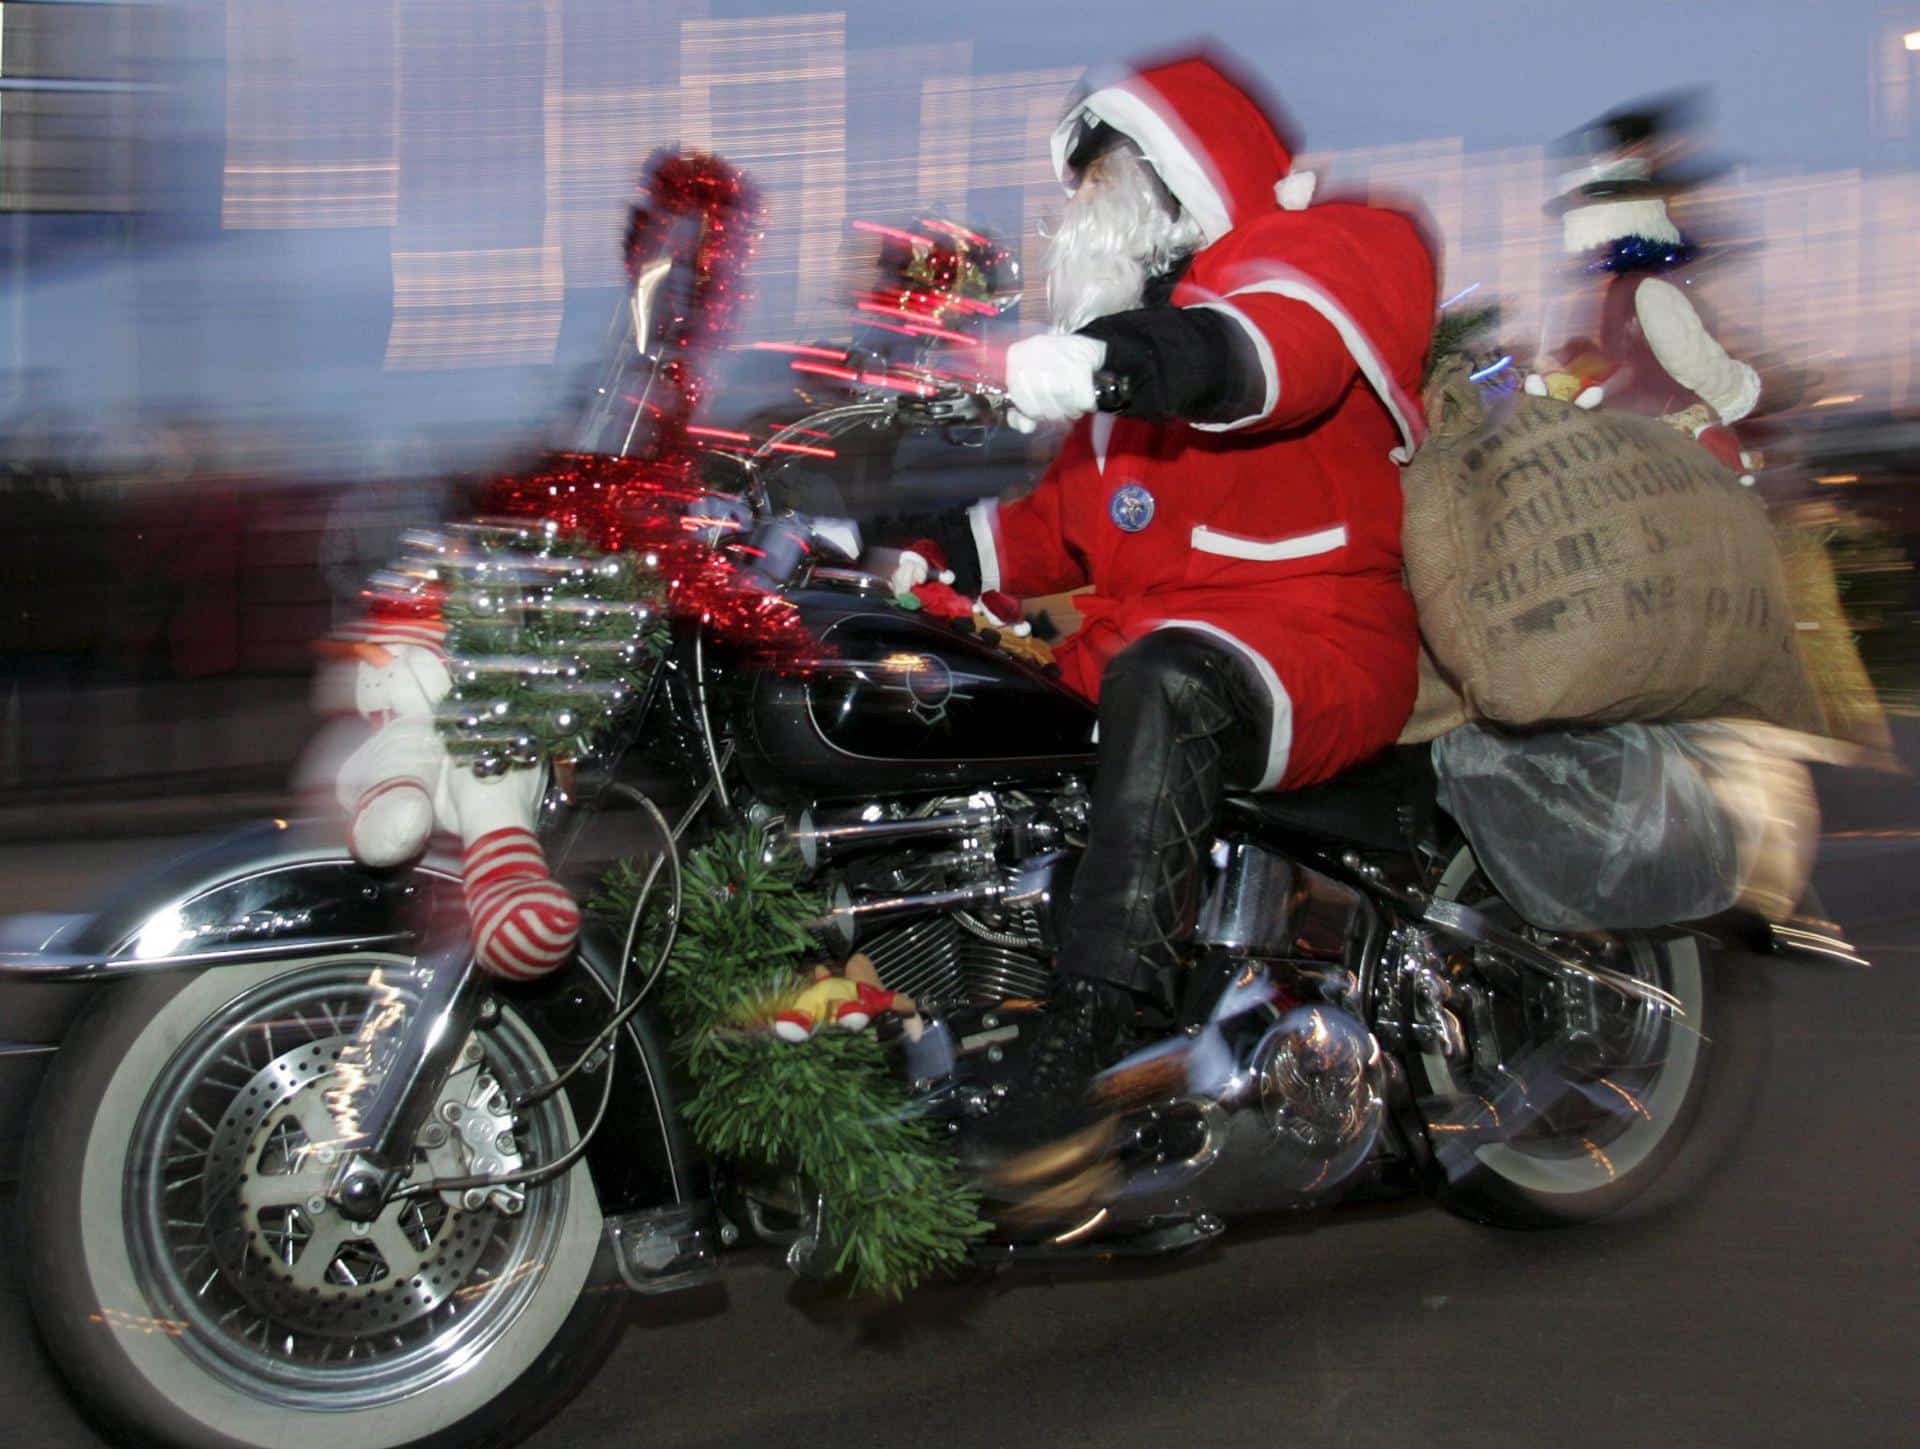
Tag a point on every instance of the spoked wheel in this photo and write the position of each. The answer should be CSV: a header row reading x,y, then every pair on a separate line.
x,y
1569,1102
195,1284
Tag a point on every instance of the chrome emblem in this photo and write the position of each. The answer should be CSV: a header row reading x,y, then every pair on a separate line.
x,y
1131,508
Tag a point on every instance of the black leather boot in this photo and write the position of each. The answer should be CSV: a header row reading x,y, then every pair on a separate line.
x,y
1180,719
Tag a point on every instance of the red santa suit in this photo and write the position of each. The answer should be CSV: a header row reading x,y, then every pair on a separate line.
x,y
1276,533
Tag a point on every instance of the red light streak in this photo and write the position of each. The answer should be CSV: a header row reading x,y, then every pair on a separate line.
x,y
800,350
839,374
921,329
806,448
912,239
847,374
907,302
725,435
964,235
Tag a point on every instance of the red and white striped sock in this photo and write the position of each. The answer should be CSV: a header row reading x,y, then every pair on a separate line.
x,y
524,922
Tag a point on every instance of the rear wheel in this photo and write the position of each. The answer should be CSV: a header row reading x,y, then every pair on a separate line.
x,y
1570,1102
196,1287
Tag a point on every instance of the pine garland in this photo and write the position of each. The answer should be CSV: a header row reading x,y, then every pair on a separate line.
x,y
1454,332
549,640
829,1109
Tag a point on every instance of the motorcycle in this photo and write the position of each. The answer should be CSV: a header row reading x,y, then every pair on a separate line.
x,y
298,1170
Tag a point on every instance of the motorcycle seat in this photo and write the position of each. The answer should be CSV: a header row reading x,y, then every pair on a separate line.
x,y
1384,803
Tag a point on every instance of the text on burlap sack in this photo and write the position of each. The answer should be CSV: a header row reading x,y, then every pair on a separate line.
x,y
1575,523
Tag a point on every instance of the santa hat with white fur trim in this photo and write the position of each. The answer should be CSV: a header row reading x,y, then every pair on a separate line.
x,y
1216,148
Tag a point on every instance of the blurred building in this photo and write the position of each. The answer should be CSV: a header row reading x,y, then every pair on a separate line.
x,y
1818,271
71,89
409,190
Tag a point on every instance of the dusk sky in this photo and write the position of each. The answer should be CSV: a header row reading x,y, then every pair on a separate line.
x,y
1789,76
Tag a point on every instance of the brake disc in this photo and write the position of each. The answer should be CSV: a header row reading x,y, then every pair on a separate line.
x,y
291,1252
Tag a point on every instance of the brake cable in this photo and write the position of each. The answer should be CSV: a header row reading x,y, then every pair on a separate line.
x,y
608,1036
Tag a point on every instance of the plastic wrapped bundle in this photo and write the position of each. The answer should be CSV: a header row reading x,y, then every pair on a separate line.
x,y
1634,826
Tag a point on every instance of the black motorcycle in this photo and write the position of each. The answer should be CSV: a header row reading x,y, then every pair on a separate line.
x,y
298,1172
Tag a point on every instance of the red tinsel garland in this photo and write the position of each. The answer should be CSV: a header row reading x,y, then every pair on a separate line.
x,y
638,504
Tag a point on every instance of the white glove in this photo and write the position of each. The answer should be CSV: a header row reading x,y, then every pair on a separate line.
x,y
1050,377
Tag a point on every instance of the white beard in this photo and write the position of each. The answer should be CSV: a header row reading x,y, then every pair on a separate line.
x,y
1114,236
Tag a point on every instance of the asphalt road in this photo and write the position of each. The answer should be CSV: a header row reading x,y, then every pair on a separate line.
x,y
1775,1306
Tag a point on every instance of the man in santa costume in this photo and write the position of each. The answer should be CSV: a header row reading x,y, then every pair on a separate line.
x,y
1238,519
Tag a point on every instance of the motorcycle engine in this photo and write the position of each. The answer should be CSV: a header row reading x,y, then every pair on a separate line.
x,y
957,960
952,901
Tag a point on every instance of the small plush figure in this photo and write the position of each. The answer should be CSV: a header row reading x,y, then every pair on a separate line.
x,y
401,786
850,1000
997,615
942,601
1578,376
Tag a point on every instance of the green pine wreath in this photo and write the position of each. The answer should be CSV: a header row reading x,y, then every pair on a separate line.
x,y
549,638
829,1109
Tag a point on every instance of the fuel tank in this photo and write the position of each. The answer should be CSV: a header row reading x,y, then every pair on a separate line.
x,y
899,703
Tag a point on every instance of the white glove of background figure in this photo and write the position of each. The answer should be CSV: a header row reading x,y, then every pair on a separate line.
x,y
1050,378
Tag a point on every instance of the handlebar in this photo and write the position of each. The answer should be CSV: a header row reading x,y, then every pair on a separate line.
x,y
955,400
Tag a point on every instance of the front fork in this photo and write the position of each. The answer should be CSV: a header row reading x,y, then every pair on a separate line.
x,y
393,1073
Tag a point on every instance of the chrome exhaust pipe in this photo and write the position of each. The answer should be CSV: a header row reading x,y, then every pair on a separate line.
x,y
819,843
1030,886
848,917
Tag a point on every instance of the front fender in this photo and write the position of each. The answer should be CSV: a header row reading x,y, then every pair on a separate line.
x,y
280,890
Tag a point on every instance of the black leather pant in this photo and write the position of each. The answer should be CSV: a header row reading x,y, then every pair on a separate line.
x,y
1182,719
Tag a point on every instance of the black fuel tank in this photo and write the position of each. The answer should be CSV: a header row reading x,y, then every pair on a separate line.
x,y
902,703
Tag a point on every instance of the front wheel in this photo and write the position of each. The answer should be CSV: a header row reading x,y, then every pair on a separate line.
x,y
1571,1102
196,1288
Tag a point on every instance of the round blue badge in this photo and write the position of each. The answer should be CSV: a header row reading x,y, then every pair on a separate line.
x,y
1131,508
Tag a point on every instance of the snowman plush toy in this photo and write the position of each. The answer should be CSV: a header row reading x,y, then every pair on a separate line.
x,y
401,785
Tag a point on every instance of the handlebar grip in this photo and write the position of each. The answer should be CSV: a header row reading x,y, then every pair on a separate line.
x,y
1112,391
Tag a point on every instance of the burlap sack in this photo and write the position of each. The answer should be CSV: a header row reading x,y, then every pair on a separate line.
x,y
1591,567
1438,709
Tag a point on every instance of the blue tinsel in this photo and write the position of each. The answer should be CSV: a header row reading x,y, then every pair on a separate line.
x,y
1642,254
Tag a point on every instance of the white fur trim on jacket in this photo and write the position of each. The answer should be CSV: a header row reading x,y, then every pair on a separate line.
x,y
1100,434
1298,287
1294,191
1280,739
1261,550
1692,358
1164,140
984,520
